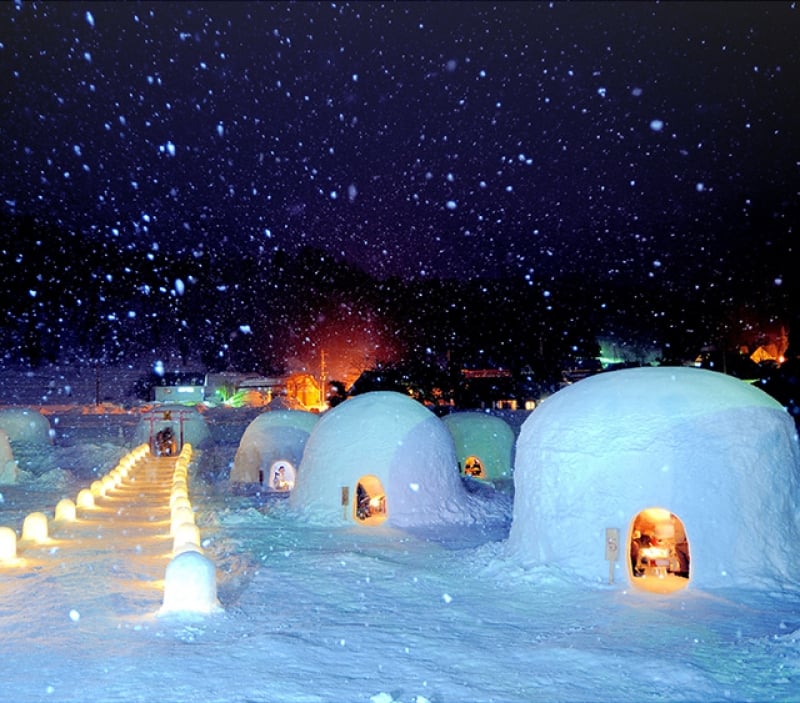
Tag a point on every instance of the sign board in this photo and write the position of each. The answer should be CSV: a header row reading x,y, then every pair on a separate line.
x,y
612,550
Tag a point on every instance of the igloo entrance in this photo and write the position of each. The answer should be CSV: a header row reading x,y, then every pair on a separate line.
x,y
473,466
281,476
658,551
370,501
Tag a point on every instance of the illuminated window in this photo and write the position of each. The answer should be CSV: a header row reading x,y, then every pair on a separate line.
x,y
370,501
281,476
658,551
473,466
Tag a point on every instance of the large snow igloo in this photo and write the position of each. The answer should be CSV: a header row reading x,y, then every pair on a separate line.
x,y
484,445
380,457
271,448
185,424
698,471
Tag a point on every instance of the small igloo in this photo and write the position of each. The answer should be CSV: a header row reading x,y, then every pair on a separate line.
x,y
484,445
26,426
271,448
183,423
380,457
698,471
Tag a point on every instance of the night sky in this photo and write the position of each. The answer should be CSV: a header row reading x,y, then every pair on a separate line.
x,y
416,139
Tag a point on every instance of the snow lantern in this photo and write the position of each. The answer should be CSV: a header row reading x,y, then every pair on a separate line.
x,y
25,425
190,585
271,447
484,445
698,472
8,544
9,473
183,534
377,457
65,511
34,527
167,428
85,499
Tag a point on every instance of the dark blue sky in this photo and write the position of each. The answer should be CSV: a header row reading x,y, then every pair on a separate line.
x,y
421,139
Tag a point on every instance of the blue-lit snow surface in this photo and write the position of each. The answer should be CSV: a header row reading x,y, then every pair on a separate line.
x,y
318,613
715,451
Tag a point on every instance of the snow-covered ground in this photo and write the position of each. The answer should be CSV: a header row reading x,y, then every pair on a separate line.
x,y
315,613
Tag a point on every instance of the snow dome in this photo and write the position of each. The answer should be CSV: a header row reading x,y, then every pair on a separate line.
x,y
484,444
8,466
698,471
186,424
26,425
271,447
377,457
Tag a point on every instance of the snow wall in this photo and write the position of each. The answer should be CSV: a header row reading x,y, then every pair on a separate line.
x,y
715,451
179,418
26,425
273,436
485,436
394,438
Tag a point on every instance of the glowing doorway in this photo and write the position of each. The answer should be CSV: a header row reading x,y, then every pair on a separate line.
x,y
370,501
473,466
658,551
281,476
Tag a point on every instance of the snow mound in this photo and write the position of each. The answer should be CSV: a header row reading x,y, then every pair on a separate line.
x,y
278,435
712,450
9,473
26,425
485,438
391,445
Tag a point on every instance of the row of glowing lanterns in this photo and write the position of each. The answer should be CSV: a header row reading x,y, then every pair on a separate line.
x,y
35,527
190,583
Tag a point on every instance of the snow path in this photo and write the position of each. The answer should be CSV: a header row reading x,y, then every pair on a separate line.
x,y
128,530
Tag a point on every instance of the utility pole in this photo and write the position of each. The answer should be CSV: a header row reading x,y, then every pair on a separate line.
x,y
322,373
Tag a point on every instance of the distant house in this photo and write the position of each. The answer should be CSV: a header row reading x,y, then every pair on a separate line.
x,y
188,387
487,388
